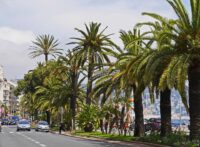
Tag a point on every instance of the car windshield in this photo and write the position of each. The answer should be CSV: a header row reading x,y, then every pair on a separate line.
x,y
23,122
42,123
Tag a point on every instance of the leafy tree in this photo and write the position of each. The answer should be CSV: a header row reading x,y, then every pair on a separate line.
x,y
27,87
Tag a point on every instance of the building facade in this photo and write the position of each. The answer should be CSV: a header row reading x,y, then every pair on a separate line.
x,y
9,103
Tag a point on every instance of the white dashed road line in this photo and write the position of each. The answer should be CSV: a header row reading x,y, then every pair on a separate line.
x,y
32,140
42,145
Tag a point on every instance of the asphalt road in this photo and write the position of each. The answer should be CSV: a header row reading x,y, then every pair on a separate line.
x,y
10,138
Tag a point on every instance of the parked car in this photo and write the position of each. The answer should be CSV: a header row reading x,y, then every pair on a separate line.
x,y
147,127
23,125
12,122
42,126
153,124
5,121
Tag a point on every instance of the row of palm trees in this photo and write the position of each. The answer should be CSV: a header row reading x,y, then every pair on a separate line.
x,y
160,59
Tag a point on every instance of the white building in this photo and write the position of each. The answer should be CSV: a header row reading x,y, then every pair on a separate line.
x,y
7,97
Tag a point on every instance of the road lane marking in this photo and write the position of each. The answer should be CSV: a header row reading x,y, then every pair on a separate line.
x,y
34,141
37,142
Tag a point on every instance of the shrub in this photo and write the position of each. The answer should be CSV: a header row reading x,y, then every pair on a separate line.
x,y
174,139
88,118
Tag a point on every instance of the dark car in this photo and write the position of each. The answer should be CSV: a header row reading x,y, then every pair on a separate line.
x,y
12,122
153,124
146,125
5,121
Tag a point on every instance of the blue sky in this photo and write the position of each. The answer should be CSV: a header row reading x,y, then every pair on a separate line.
x,y
22,20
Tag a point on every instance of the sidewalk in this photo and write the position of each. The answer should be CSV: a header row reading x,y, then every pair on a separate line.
x,y
127,143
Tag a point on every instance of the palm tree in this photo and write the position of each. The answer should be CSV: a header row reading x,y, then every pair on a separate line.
x,y
45,45
154,72
133,52
53,94
183,54
70,69
92,48
119,81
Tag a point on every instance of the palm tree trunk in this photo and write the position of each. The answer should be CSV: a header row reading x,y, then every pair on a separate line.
x,y
101,126
89,84
139,117
48,114
46,57
73,109
194,99
122,119
89,90
36,114
165,112
73,100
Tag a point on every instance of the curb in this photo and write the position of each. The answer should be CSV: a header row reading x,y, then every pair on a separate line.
x,y
128,143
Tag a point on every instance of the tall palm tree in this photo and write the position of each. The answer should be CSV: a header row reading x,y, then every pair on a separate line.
x,y
133,51
92,48
154,72
119,81
70,68
183,53
45,45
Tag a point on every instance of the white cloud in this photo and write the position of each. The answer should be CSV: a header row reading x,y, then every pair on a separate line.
x,y
16,36
21,19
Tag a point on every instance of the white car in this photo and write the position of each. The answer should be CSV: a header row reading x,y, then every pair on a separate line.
x,y
23,125
42,126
